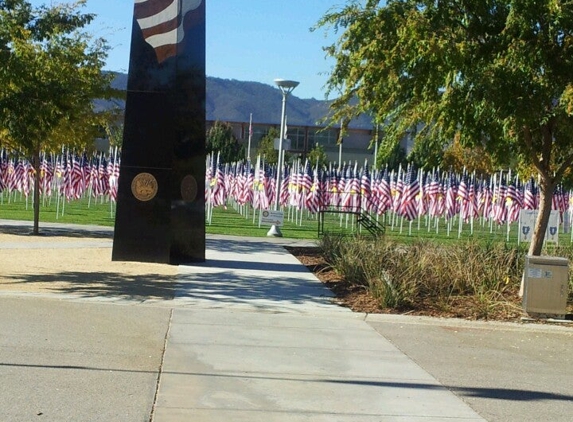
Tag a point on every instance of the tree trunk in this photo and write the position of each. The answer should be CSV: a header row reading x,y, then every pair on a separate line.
x,y
36,165
545,201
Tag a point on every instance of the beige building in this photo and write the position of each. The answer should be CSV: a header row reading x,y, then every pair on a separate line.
x,y
358,144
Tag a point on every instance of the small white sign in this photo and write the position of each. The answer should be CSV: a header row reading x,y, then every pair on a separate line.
x,y
527,219
286,144
552,233
272,218
526,225
534,272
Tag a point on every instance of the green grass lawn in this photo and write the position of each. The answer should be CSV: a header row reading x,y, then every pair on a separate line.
x,y
82,211
230,222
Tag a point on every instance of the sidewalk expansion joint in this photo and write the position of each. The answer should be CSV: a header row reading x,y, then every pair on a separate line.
x,y
160,371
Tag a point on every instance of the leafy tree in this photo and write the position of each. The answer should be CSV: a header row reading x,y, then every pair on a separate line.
x,y
114,133
318,154
50,73
220,138
267,146
391,154
113,126
472,160
494,73
426,155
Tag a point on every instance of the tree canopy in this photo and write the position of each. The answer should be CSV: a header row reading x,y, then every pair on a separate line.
x,y
50,73
266,147
493,73
317,156
220,139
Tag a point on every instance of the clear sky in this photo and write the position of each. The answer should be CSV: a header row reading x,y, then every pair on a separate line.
x,y
247,40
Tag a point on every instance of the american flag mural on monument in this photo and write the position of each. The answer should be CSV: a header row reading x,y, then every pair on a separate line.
x,y
163,23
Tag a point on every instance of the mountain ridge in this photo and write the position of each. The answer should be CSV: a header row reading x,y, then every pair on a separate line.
x,y
233,101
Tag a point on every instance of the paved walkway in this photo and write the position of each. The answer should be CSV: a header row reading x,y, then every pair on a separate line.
x,y
259,339
252,335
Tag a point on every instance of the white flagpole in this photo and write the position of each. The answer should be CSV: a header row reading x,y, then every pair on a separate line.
x,y
461,222
250,137
421,201
115,181
507,210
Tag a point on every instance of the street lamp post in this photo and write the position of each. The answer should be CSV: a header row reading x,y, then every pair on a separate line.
x,y
340,139
286,88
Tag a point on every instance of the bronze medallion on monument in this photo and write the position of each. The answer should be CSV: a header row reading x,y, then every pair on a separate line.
x,y
188,188
144,187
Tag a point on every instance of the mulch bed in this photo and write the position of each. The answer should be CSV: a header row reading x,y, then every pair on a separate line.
x,y
359,299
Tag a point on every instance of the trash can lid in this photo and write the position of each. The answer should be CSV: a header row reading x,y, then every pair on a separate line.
x,y
546,260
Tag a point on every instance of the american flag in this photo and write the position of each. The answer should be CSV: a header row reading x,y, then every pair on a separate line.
x,y
463,198
384,193
559,200
434,193
396,187
22,174
113,175
77,178
3,171
451,192
473,197
162,23
269,184
484,198
247,180
350,200
218,189
285,182
499,212
365,189
422,197
408,200
314,196
306,185
529,195
103,177
294,187
513,202
10,176
46,176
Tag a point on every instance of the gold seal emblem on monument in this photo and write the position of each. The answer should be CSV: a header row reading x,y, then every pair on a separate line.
x,y
144,187
189,188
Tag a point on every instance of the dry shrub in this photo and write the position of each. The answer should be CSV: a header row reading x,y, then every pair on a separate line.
x,y
564,251
401,275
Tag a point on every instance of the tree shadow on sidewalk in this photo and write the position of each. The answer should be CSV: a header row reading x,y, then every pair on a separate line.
x,y
101,284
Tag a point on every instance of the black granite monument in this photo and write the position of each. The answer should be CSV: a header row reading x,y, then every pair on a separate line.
x,y
161,194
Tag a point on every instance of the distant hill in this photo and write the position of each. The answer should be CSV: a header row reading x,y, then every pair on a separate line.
x,y
232,100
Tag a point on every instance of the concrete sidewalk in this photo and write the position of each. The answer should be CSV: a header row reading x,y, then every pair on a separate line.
x,y
256,337
252,335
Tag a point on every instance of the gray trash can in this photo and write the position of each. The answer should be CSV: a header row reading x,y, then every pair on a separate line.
x,y
546,286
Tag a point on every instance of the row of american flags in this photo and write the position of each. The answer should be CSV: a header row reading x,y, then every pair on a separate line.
x,y
406,192
67,175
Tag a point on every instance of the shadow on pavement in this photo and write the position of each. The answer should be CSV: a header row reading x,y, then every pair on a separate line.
x,y
248,272
491,393
46,231
106,284
230,287
254,266
266,245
